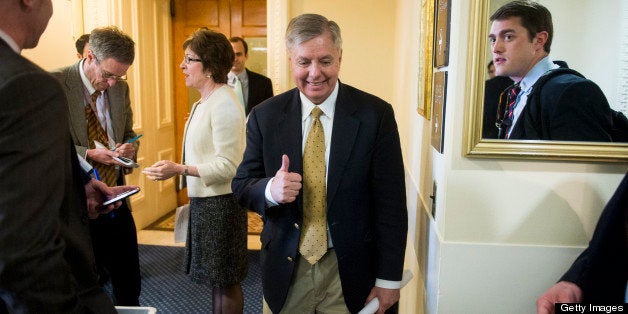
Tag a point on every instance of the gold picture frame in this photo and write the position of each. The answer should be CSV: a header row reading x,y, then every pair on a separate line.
x,y
476,146
426,38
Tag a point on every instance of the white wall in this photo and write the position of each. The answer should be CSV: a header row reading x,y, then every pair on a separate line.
x,y
505,230
585,35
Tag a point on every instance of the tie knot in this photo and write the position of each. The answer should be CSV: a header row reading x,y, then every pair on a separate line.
x,y
515,89
316,112
95,96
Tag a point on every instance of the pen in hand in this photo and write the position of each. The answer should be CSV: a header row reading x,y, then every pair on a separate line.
x,y
135,138
130,140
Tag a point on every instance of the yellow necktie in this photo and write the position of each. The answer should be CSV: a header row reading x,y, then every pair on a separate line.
x,y
108,174
313,241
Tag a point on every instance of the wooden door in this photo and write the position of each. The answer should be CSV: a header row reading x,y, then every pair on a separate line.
x,y
244,18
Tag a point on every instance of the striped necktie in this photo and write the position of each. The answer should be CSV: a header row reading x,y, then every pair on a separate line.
x,y
512,100
313,240
95,131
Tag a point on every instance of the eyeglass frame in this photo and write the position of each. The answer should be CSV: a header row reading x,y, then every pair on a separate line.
x,y
107,75
187,59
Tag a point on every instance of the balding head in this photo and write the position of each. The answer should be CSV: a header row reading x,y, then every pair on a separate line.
x,y
25,21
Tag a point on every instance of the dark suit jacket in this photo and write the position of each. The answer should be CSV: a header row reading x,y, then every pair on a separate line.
x,y
46,261
366,208
260,89
570,108
601,270
492,89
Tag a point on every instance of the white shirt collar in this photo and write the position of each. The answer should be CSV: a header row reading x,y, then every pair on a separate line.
x,y
86,82
4,36
328,106
537,71
231,76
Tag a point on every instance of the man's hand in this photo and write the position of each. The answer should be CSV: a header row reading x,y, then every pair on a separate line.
x,y
562,292
125,150
386,298
285,186
103,156
97,192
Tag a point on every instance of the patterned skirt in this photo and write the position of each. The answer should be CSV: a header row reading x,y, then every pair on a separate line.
x,y
215,249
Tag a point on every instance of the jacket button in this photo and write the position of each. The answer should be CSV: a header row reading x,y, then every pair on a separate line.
x,y
289,259
296,225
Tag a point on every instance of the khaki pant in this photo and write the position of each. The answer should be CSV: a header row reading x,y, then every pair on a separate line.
x,y
315,288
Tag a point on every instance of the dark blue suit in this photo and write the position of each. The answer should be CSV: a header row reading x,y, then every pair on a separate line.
x,y
260,89
601,270
366,207
567,108
46,258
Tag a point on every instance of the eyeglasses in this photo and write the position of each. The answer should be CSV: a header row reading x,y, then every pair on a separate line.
x,y
107,75
187,59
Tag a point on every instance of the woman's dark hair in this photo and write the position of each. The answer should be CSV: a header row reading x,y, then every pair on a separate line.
x,y
215,52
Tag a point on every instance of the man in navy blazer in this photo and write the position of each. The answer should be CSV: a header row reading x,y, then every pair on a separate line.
x,y
255,87
570,107
366,214
600,273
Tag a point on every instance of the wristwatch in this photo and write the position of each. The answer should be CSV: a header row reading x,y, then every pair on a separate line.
x,y
185,170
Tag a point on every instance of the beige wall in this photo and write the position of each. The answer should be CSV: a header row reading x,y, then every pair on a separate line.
x,y
368,37
56,45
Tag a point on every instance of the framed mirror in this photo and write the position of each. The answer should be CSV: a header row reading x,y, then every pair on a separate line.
x,y
587,55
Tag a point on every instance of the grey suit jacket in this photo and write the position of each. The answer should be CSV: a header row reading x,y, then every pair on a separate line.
x,y
46,258
119,104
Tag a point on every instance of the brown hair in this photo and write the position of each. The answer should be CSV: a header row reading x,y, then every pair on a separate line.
x,y
215,52
534,17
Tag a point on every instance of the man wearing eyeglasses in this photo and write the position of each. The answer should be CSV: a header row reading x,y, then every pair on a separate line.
x,y
101,123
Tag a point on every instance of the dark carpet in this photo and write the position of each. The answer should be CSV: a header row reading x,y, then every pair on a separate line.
x,y
166,288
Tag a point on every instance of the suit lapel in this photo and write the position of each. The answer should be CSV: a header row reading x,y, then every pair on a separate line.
x,y
116,109
345,131
76,105
292,141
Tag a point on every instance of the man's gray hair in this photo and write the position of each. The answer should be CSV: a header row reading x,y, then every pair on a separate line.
x,y
111,42
307,26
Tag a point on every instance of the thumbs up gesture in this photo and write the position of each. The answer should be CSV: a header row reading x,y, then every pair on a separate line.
x,y
285,186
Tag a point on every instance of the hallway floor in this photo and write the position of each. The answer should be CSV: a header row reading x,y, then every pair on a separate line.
x,y
158,237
